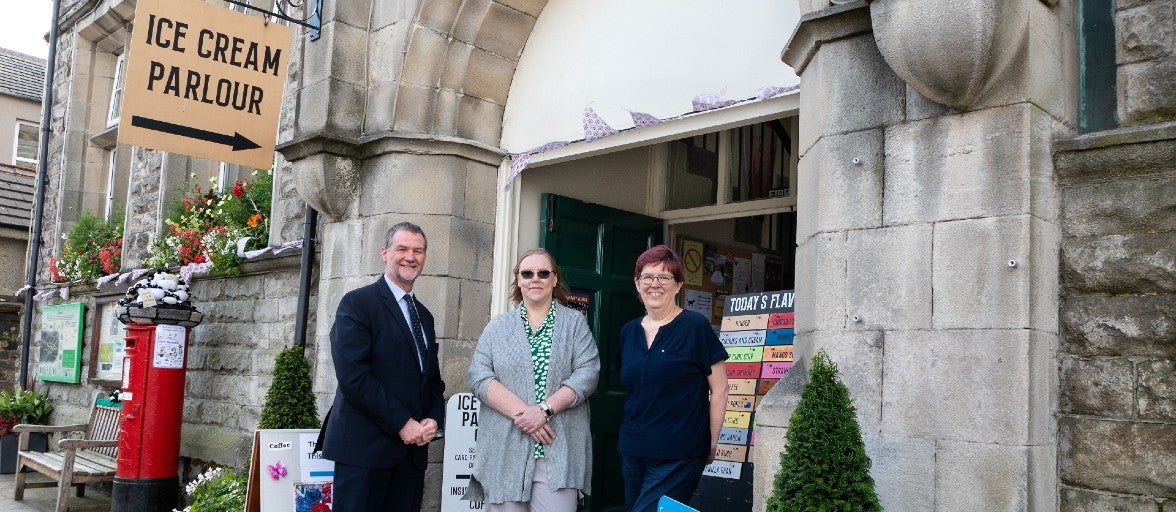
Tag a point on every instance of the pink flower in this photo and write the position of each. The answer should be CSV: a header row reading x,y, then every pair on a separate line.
x,y
276,470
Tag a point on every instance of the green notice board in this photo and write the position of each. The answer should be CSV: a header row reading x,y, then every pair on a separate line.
x,y
60,348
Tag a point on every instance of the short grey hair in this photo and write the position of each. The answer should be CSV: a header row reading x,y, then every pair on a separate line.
x,y
404,226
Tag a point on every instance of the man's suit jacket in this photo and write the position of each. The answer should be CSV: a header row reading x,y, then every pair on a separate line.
x,y
381,384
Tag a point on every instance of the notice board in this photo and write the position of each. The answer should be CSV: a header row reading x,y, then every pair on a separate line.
x,y
757,331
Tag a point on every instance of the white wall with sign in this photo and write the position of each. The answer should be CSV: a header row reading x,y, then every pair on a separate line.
x,y
461,433
288,470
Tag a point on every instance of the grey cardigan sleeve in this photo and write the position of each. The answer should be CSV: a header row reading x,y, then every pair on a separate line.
x,y
482,366
585,355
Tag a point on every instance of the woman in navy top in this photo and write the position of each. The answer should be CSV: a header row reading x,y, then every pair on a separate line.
x,y
672,366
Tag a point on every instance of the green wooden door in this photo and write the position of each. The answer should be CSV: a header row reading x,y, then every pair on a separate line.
x,y
596,247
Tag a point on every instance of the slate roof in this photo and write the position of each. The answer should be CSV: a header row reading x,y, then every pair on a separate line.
x,y
16,196
22,75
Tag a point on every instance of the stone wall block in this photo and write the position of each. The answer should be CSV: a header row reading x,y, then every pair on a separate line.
x,y
1044,197
981,477
386,60
931,382
381,106
1107,455
867,92
481,191
438,15
904,473
338,254
919,107
423,185
1127,263
355,14
531,7
247,287
770,443
488,76
1147,94
1144,32
414,109
457,62
975,285
821,283
1121,206
889,278
330,106
1044,283
1103,386
1131,325
446,112
470,19
280,284
1083,500
471,121
504,31
1156,389
440,295
475,309
841,189
964,166
471,250
1044,388
858,356
422,61
456,355
337,54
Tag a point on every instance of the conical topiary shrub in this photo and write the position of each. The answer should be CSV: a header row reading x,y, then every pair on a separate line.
x,y
289,403
825,466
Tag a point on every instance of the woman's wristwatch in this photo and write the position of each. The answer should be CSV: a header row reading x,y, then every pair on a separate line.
x,y
547,411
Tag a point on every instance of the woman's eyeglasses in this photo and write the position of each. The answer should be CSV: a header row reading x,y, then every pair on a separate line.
x,y
664,279
530,274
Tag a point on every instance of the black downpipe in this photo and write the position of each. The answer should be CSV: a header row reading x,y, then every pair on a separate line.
x,y
35,239
309,226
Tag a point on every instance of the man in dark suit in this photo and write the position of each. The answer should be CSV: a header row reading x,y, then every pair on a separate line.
x,y
388,405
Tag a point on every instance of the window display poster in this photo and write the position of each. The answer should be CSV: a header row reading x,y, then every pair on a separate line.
x,y
109,344
61,343
699,301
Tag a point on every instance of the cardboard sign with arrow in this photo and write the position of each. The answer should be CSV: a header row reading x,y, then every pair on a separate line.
x,y
204,81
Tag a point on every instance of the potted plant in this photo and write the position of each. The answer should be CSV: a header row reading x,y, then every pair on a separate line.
x,y
17,407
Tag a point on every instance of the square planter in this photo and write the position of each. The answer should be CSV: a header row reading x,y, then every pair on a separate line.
x,y
38,441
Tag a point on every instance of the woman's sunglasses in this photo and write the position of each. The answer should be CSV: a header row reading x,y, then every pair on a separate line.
x,y
530,274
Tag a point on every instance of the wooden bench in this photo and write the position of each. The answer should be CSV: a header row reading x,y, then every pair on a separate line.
x,y
92,458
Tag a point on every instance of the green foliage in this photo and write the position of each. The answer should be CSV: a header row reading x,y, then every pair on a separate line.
x,y
289,403
206,226
20,406
825,466
217,490
92,249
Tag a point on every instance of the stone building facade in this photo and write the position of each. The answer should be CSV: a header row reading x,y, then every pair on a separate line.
x,y
994,285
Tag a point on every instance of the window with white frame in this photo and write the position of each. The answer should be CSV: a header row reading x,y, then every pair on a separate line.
x,y
751,164
28,138
116,90
111,170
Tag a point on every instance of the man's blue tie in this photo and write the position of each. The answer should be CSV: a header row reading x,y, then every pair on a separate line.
x,y
414,321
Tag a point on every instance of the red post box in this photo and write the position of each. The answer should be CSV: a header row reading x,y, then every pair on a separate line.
x,y
147,475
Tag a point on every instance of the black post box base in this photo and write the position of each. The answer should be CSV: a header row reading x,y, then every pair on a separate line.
x,y
144,494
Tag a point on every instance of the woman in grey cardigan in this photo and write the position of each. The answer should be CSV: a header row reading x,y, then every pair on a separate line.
x,y
535,368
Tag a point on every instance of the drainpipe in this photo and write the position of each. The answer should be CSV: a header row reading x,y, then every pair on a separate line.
x,y
35,240
309,224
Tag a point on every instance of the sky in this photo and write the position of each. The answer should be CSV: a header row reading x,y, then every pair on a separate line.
x,y
24,25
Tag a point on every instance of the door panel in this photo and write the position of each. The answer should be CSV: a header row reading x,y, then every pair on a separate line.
x,y
596,248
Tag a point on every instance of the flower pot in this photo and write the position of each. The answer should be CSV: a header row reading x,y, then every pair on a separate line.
x,y
38,441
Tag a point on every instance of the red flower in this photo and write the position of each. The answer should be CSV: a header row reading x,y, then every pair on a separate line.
x,y
238,189
54,274
198,259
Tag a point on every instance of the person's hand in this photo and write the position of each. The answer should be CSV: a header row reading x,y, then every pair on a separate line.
x,y
530,419
544,435
428,431
411,432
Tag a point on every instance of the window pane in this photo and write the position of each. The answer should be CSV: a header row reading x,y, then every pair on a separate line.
x,y
27,138
759,161
116,92
693,173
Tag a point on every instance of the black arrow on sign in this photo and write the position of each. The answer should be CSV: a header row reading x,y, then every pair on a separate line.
x,y
236,140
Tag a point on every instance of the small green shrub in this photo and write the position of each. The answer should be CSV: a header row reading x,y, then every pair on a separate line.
x,y
217,490
289,403
825,466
